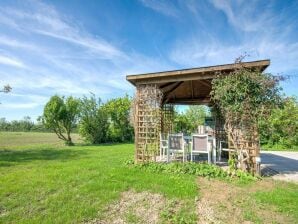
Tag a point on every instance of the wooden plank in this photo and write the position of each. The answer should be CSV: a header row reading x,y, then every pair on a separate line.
x,y
166,85
170,91
190,101
194,73
205,83
191,88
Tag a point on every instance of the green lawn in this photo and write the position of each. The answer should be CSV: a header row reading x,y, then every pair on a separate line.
x,y
284,198
279,148
43,181
32,138
58,184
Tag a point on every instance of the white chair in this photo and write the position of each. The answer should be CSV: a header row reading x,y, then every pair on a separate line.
x,y
163,146
175,146
200,144
201,129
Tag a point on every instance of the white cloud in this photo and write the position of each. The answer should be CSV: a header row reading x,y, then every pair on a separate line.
x,y
14,43
120,84
163,7
195,53
5,60
105,49
244,15
255,30
18,105
23,101
45,20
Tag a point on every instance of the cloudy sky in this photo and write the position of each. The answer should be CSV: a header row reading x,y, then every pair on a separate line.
x,y
77,47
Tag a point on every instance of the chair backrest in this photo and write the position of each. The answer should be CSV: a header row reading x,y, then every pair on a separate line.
x,y
163,140
176,142
200,143
209,130
201,129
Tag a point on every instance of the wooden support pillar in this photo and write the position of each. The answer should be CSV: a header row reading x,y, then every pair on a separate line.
x,y
147,122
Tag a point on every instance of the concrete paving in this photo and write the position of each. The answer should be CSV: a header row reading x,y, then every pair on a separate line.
x,y
280,165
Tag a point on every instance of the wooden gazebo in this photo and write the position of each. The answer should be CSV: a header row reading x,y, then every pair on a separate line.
x,y
156,93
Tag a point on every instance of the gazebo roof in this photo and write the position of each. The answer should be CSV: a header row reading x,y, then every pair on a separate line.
x,y
190,86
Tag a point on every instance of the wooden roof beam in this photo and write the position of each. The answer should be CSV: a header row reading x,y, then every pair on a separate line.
x,y
194,73
164,86
205,83
201,100
166,94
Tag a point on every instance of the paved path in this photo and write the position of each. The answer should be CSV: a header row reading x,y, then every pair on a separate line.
x,y
281,165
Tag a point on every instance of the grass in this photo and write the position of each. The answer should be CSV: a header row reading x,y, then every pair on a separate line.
x,y
279,147
284,198
58,184
32,138
43,181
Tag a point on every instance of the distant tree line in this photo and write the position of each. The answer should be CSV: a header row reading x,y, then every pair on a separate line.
x,y
25,125
99,122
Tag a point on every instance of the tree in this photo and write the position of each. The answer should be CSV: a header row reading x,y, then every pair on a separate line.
x,y
6,89
60,115
28,123
189,121
281,127
196,115
182,123
4,124
118,110
93,125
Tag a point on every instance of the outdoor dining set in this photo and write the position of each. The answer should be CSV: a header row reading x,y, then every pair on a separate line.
x,y
190,147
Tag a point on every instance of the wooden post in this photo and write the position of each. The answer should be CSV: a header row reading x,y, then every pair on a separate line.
x,y
147,122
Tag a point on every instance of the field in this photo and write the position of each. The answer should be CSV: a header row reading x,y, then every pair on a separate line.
x,y
8,139
43,181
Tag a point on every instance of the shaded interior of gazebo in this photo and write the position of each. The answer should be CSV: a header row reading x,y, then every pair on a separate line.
x,y
156,93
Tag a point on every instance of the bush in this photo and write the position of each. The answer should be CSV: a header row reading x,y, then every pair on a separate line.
x,y
198,169
93,123
118,111
281,128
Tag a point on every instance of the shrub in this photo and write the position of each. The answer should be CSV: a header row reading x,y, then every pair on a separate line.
x,y
197,169
118,111
93,120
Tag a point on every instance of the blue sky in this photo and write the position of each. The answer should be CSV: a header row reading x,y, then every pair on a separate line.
x,y
77,47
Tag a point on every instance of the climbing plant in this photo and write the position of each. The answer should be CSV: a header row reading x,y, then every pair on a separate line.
x,y
243,98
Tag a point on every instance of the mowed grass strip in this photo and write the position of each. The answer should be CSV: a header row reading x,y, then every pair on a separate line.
x,y
59,184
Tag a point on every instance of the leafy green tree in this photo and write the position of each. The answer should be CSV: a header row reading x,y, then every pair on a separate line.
x,y
93,125
182,124
60,115
196,115
118,110
39,126
26,124
281,127
4,124
189,121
